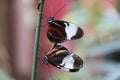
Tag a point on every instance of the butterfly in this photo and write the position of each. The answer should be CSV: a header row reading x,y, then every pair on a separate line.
x,y
60,31
63,59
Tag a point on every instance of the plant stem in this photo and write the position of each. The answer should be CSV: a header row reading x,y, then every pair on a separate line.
x,y
36,44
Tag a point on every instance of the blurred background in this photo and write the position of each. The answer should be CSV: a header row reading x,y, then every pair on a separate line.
x,y
99,47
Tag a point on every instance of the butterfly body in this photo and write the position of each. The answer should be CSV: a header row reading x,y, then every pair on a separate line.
x,y
60,31
62,58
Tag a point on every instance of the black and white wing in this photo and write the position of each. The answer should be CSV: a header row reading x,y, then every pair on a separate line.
x,y
61,58
60,31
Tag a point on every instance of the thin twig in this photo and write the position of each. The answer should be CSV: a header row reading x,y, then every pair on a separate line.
x,y
36,44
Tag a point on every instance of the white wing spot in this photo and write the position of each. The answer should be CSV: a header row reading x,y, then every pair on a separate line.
x,y
71,30
68,62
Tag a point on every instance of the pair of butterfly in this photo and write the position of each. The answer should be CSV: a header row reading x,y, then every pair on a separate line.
x,y
60,31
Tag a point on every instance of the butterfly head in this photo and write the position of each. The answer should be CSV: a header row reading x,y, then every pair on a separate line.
x,y
50,19
45,60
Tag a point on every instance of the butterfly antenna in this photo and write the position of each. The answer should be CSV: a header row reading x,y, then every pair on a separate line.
x,y
40,49
61,8
51,10
42,52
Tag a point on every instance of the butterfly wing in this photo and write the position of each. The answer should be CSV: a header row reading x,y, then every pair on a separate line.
x,y
60,31
61,58
71,63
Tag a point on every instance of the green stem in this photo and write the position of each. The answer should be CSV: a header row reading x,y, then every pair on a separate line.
x,y
36,44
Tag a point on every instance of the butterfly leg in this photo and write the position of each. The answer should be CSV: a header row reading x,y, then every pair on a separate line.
x,y
54,45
